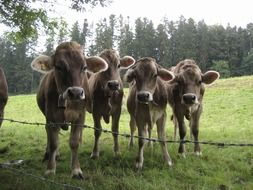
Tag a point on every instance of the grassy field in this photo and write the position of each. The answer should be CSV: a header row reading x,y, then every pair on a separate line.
x,y
227,117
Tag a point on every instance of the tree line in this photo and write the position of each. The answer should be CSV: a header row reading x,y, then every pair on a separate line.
x,y
228,50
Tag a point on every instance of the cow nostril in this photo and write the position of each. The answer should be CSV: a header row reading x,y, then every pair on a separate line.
x,y
113,85
70,93
75,93
144,97
189,98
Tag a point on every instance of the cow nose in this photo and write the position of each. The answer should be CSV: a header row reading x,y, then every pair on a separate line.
x,y
75,93
144,97
189,98
113,85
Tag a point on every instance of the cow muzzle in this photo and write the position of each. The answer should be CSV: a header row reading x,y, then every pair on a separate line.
x,y
113,85
144,97
71,93
190,99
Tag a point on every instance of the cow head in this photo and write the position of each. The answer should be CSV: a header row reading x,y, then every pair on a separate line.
x,y
189,82
68,65
111,76
145,74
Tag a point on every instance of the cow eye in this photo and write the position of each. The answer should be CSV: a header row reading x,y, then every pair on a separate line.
x,y
83,68
59,68
199,82
118,66
155,75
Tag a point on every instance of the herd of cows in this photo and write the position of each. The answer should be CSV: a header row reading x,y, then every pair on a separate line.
x,y
73,84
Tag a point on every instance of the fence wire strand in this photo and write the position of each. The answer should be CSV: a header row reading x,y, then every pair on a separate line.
x,y
219,144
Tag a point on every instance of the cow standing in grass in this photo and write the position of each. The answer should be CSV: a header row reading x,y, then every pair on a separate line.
x,y
147,102
185,94
63,96
106,90
3,94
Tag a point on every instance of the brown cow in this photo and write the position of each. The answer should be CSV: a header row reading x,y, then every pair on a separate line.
x,y
3,94
147,102
106,90
185,94
62,97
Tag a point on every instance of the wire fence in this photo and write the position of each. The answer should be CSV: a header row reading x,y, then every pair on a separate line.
x,y
184,141
17,171
9,166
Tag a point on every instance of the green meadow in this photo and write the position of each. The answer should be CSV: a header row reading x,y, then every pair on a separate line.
x,y
227,118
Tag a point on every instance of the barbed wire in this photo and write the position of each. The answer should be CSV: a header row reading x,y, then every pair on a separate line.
x,y
16,171
219,144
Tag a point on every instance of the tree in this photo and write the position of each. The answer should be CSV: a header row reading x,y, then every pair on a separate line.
x,y
85,34
222,67
202,45
62,31
75,33
126,38
144,41
162,42
185,39
25,20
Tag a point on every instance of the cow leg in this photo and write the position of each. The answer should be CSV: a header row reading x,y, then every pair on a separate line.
x,y
150,143
75,138
115,130
46,155
182,133
97,133
174,119
141,142
162,136
53,140
195,131
132,130
1,116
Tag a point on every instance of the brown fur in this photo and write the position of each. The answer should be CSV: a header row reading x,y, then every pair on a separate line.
x,y
185,94
147,102
3,94
62,97
106,93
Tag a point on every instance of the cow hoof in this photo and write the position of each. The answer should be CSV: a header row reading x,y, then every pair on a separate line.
x,y
170,163
138,165
77,174
182,155
198,153
50,172
94,155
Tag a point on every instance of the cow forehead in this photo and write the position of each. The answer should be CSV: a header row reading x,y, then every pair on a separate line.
x,y
110,56
146,66
69,56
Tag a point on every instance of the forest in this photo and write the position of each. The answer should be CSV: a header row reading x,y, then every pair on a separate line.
x,y
228,50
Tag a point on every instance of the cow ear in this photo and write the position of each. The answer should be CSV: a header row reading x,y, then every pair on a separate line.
x,y
126,62
210,76
129,76
96,64
42,64
165,75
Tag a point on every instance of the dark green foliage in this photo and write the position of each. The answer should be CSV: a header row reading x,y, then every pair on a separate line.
x,y
25,20
228,50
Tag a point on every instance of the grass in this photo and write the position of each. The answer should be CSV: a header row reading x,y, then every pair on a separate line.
x,y
227,117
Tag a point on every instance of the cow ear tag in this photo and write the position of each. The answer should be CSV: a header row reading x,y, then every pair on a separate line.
x,y
61,102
